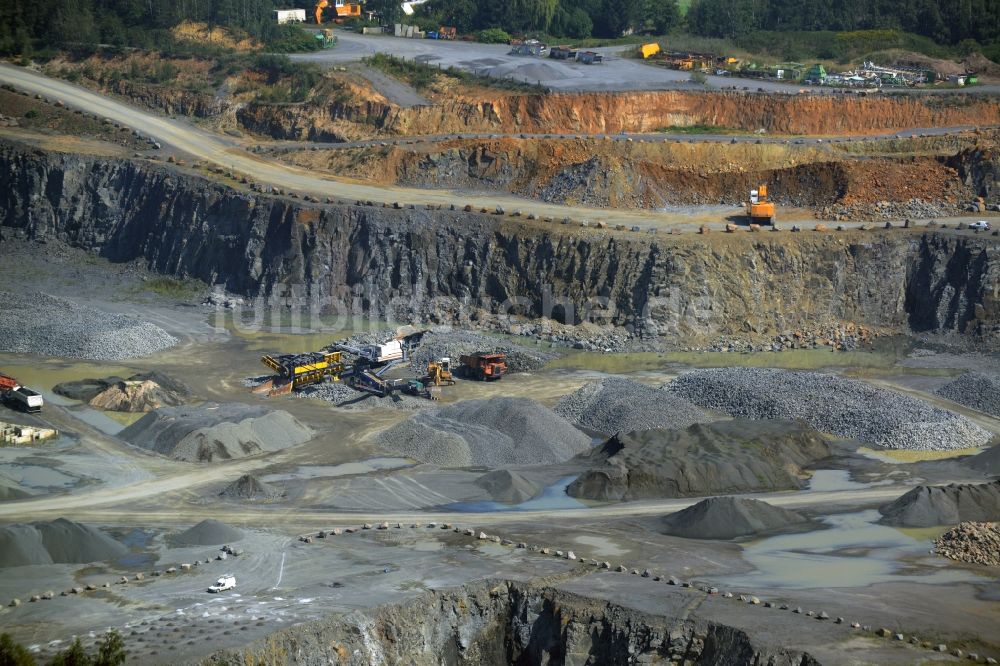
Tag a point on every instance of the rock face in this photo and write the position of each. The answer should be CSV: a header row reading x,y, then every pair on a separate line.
x,y
726,457
497,623
418,262
59,541
212,431
729,518
508,487
928,506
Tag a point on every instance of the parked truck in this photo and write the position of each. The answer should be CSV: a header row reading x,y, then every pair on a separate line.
x,y
20,397
226,582
484,366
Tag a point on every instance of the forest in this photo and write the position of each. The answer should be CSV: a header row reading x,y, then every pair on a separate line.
x,y
974,24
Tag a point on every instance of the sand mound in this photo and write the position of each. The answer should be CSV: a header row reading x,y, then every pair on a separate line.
x,y
728,518
508,487
725,457
493,433
616,404
928,506
987,462
215,432
59,541
209,532
135,396
249,487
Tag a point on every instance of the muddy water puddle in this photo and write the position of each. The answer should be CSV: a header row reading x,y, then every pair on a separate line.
x,y
553,497
368,466
854,551
832,480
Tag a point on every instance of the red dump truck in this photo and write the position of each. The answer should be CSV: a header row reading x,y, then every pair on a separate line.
x,y
19,397
483,366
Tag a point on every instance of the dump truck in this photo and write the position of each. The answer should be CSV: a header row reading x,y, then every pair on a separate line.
x,y
484,366
20,397
759,209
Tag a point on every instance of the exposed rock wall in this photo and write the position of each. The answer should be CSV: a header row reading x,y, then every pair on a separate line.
x,y
501,623
616,112
444,265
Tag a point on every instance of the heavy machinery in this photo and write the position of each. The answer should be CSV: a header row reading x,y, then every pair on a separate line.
x,y
484,366
344,10
297,370
759,209
19,397
439,373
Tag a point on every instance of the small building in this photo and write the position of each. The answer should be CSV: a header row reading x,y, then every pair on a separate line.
x,y
283,16
816,74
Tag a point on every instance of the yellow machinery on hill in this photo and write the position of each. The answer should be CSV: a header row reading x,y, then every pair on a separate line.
x,y
344,10
760,210
297,370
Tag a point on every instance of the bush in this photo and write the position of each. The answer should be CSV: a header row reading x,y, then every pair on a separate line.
x,y
699,78
493,36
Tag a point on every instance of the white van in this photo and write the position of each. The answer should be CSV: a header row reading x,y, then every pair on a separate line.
x,y
227,582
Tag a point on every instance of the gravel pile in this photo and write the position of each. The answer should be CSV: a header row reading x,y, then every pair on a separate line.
x,y
617,404
249,488
491,433
209,532
345,397
729,518
843,407
451,343
976,390
975,543
927,506
36,323
59,541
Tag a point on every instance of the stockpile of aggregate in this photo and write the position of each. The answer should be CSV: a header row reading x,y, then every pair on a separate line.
x,y
844,407
617,404
976,390
209,532
36,323
251,489
729,518
720,458
492,433
973,543
345,397
212,431
928,506
56,542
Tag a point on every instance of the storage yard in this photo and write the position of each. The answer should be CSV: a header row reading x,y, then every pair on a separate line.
x,y
497,376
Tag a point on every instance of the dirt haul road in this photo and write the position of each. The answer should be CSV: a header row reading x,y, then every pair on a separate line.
x,y
215,149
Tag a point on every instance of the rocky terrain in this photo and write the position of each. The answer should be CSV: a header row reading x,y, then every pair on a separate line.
x,y
167,390
729,518
495,623
448,265
977,390
832,404
725,457
972,543
928,506
211,432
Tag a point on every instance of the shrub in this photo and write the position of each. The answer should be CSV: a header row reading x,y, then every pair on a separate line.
x,y
493,36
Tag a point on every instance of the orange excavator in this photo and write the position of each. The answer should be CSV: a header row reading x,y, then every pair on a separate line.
x,y
760,209
344,10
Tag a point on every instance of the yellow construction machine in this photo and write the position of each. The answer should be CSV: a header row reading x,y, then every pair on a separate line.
x,y
439,373
297,370
760,210
343,9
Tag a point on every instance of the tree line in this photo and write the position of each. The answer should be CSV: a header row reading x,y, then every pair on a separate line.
x,y
944,21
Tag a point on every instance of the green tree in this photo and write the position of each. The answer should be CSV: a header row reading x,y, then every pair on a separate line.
x,y
111,651
14,654
74,655
661,14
